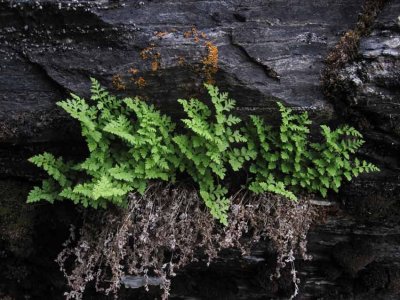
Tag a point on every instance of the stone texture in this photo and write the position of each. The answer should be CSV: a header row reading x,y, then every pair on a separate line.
x,y
267,51
371,86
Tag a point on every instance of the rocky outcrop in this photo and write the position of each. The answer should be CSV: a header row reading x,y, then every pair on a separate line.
x,y
370,86
260,52
264,52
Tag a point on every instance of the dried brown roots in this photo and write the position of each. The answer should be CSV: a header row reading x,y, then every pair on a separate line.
x,y
167,228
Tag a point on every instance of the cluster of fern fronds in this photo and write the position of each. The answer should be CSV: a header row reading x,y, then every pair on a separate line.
x,y
131,143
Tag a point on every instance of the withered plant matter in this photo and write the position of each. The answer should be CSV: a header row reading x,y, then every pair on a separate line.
x,y
169,227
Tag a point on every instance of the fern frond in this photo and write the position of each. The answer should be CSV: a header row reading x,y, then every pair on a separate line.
x,y
130,143
55,167
47,192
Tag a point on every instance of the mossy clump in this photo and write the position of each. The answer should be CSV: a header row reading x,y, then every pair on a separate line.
x,y
346,49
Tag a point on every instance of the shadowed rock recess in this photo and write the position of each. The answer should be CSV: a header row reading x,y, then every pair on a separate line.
x,y
260,52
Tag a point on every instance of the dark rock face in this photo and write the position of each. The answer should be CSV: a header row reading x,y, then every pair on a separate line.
x,y
370,85
266,52
164,50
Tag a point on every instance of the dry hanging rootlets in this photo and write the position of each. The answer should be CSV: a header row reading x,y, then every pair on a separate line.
x,y
166,228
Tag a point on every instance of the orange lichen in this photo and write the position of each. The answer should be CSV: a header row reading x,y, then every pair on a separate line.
x,y
160,34
140,82
133,71
118,83
210,62
193,32
149,53
146,52
155,65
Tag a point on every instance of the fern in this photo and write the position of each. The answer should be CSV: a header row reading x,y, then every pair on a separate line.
x,y
56,168
211,146
333,161
48,192
287,162
131,143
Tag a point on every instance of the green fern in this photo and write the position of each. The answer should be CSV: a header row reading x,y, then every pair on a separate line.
x,y
131,143
55,167
211,146
48,192
287,162
333,160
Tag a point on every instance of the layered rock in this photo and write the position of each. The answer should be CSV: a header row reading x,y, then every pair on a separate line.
x,y
260,52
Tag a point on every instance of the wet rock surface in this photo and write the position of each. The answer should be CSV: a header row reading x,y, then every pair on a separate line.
x,y
163,50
